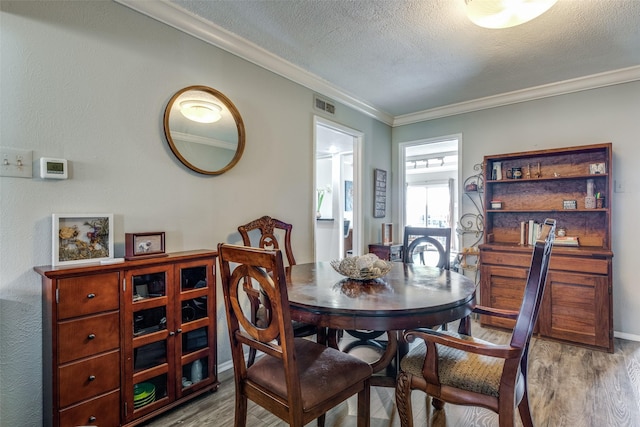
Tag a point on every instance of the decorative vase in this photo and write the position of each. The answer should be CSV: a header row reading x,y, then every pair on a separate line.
x,y
590,200
497,171
590,188
196,371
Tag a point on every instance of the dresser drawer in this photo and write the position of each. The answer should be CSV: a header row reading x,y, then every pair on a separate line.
x,y
88,336
78,296
558,262
579,264
103,411
505,259
89,378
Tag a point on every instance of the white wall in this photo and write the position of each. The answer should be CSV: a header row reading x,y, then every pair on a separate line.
x,y
326,246
601,115
88,81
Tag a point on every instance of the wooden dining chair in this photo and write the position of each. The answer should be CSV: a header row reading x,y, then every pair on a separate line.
x,y
421,239
270,233
297,379
463,370
425,240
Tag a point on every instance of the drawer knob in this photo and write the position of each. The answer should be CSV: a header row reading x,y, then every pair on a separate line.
x,y
92,419
90,296
91,336
179,330
92,377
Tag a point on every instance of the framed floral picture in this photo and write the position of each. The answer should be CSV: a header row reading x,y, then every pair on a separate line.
x,y
81,238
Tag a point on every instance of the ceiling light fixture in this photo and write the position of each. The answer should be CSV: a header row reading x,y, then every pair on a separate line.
x,y
505,13
201,111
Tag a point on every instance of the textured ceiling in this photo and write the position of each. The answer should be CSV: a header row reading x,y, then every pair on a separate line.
x,y
403,57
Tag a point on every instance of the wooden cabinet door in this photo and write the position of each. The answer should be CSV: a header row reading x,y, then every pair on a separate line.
x,y
501,287
196,317
576,308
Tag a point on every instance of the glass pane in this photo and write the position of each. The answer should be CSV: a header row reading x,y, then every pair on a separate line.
x,y
195,372
438,203
149,355
194,309
193,278
426,254
149,391
148,321
416,206
194,340
149,286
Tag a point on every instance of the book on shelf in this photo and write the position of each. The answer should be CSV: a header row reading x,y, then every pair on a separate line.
x,y
566,241
532,232
529,232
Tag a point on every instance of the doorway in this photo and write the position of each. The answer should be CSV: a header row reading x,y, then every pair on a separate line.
x,y
427,193
337,227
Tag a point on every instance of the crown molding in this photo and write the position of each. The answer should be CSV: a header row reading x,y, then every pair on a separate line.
x,y
594,81
176,17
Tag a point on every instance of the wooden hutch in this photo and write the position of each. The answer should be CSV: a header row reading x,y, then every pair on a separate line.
x,y
554,183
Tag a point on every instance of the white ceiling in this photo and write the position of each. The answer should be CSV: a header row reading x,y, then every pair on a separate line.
x,y
409,60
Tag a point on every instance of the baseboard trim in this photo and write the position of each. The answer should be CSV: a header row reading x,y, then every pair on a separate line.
x,y
625,336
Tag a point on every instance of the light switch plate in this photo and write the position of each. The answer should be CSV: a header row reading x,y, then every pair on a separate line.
x,y
15,162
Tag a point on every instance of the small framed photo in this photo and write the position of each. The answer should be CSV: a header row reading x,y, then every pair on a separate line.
x,y
597,168
569,204
144,245
81,238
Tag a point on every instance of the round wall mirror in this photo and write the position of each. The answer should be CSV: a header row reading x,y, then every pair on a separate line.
x,y
204,130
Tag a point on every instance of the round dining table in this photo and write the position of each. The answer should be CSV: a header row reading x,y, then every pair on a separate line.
x,y
409,296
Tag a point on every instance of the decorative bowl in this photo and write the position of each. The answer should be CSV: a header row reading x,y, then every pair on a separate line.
x,y
364,267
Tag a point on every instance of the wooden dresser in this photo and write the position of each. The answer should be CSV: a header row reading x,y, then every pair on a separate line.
x,y
388,252
120,341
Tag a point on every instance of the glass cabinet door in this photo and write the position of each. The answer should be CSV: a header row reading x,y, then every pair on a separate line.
x,y
197,311
169,334
150,337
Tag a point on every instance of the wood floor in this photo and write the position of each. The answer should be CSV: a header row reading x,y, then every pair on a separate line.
x,y
569,387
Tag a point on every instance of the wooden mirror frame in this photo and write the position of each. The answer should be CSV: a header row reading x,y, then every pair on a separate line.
x,y
235,115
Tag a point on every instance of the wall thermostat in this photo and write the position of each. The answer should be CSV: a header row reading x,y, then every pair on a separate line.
x,y
53,168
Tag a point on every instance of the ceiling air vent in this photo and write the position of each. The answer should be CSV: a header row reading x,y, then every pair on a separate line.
x,y
324,105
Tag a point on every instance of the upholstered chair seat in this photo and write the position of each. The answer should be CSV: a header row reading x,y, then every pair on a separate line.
x,y
322,371
458,368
